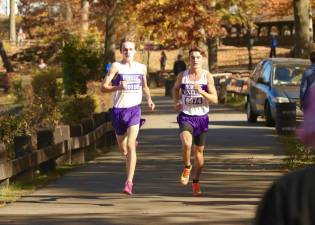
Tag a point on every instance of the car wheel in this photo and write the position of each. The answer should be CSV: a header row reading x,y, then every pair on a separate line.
x,y
268,117
251,116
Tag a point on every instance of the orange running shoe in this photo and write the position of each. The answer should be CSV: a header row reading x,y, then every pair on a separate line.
x,y
185,175
196,189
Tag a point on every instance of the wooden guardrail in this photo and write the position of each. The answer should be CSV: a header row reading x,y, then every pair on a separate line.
x,y
61,145
228,82
231,82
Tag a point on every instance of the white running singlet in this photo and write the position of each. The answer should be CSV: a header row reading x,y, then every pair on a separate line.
x,y
132,95
193,103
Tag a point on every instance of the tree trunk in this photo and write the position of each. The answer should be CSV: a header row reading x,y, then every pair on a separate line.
x,y
68,12
311,31
109,42
12,21
302,32
5,59
213,54
85,16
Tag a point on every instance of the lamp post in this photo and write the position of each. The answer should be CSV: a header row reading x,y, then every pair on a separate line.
x,y
12,22
212,43
250,44
250,40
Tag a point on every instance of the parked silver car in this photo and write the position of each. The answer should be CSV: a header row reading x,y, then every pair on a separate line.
x,y
274,80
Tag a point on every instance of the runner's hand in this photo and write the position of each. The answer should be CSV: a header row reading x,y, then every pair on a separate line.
x,y
151,105
123,85
198,88
178,107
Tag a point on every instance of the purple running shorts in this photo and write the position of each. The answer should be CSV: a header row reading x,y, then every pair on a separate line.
x,y
198,123
122,118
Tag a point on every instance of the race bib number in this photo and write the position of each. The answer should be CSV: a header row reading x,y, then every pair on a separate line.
x,y
133,86
193,100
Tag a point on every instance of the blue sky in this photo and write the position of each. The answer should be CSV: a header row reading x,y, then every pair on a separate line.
x,y
3,6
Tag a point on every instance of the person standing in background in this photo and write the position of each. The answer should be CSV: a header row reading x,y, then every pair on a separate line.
x,y
163,60
179,65
20,37
273,46
308,80
42,64
107,68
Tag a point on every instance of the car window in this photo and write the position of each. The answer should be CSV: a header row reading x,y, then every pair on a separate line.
x,y
282,74
288,75
266,74
297,76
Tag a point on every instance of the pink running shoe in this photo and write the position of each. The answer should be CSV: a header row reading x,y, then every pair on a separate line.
x,y
128,188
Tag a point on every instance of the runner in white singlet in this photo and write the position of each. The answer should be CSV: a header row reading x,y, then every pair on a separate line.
x,y
197,91
127,80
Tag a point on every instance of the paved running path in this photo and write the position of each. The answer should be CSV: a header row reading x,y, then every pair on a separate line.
x,y
241,160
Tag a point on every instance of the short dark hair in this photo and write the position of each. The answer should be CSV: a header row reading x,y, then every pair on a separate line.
x,y
127,38
197,49
312,57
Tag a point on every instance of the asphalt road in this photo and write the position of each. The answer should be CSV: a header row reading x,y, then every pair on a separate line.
x,y
241,161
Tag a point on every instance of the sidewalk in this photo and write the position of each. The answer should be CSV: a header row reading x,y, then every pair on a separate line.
x,y
241,161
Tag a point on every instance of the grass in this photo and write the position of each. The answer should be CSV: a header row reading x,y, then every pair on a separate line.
x,y
298,154
16,189
11,193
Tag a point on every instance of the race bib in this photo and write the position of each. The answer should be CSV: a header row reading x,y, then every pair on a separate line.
x,y
193,100
133,86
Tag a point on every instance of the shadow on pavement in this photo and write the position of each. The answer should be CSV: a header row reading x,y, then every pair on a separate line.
x,y
241,160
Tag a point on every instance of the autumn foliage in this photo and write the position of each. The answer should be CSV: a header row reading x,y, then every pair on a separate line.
x,y
167,22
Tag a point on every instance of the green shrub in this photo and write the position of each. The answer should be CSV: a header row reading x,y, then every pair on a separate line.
x,y
45,86
41,106
81,62
11,126
75,108
18,90
43,109
103,101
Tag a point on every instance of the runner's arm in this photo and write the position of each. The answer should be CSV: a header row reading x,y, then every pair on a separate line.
x,y
146,90
176,94
107,81
211,95
303,88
